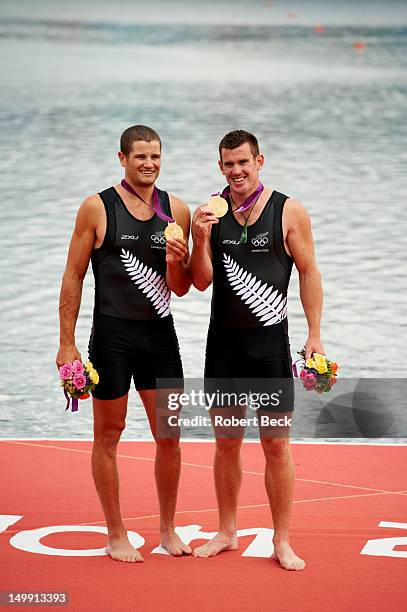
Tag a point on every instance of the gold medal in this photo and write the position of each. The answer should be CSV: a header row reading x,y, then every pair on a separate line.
x,y
173,230
218,206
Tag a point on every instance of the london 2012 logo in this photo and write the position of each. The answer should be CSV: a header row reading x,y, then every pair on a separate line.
x,y
260,240
29,540
158,238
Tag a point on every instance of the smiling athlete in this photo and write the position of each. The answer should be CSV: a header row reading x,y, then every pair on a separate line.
x,y
248,255
121,230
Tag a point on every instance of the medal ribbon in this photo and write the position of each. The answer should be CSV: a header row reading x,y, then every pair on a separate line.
x,y
248,201
243,207
156,201
73,401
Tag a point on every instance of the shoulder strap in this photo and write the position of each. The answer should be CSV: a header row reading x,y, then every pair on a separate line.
x,y
108,197
279,199
165,201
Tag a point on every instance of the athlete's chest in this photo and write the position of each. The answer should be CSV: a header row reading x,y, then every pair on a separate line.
x,y
250,242
139,235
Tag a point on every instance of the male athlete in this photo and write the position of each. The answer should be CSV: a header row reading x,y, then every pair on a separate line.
x,y
121,230
248,255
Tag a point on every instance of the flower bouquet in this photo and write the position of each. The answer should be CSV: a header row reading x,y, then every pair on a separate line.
x,y
77,380
318,373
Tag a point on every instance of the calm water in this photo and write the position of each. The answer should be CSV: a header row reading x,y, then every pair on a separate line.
x,y
329,119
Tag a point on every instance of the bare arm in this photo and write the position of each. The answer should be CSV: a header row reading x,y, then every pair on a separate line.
x,y
200,263
80,249
301,245
177,250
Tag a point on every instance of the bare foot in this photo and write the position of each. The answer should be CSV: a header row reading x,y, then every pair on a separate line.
x,y
218,544
120,549
171,541
284,554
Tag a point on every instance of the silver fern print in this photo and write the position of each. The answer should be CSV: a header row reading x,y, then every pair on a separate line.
x,y
268,305
149,281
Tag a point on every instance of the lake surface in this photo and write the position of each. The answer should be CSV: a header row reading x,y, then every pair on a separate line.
x,y
330,119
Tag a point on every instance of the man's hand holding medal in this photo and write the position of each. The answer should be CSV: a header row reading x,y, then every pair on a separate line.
x,y
177,247
206,216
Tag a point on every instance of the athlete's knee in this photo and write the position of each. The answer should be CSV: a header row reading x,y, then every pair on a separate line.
x,y
277,447
109,435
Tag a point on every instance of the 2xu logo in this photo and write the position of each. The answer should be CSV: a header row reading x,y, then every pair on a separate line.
x,y
261,546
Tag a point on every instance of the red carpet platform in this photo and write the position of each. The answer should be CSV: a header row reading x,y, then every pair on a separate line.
x,y
349,524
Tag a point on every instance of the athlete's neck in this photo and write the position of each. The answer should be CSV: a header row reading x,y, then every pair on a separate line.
x,y
240,196
145,191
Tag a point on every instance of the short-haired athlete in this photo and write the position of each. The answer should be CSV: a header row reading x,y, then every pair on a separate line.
x,y
121,231
248,255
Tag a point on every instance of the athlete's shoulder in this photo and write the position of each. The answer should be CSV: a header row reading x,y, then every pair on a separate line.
x,y
91,205
91,209
295,217
91,201
177,203
295,210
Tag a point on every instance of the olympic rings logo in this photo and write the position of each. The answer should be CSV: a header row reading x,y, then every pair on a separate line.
x,y
158,238
260,241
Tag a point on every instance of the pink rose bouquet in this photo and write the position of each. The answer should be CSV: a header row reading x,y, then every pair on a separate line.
x,y
77,380
317,373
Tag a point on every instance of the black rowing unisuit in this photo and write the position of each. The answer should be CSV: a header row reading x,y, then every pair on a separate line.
x,y
129,267
250,281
